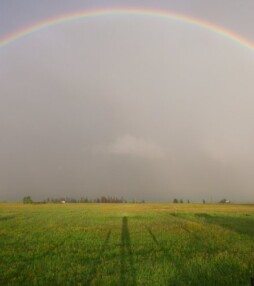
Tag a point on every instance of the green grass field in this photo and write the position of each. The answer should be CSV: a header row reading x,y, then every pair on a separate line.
x,y
126,244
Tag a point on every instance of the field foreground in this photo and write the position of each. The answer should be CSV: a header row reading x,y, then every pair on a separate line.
x,y
126,244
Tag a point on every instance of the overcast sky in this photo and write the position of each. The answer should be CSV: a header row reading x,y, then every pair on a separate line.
x,y
132,106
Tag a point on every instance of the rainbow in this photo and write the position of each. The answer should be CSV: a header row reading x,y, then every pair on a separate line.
x,y
19,34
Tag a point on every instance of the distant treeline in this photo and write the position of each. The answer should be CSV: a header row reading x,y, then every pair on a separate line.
x,y
181,201
101,199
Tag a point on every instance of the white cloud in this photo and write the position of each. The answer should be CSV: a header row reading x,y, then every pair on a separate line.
x,y
130,145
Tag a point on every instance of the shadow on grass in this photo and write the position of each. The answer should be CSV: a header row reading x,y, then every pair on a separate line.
x,y
126,277
242,225
97,261
29,261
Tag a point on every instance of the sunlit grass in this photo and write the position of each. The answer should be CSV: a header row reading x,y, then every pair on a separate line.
x,y
126,244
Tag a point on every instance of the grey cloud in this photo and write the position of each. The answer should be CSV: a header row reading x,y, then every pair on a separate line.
x,y
135,107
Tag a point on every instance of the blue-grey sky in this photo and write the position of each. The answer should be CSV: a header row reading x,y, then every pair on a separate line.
x,y
130,106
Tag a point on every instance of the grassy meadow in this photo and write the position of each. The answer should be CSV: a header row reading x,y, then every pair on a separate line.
x,y
126,244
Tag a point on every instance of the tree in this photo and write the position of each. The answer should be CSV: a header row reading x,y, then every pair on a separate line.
x,y
27,200
181,201
203,201
175,201
188,201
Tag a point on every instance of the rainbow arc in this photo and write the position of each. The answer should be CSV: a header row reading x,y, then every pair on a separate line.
x,y
125,11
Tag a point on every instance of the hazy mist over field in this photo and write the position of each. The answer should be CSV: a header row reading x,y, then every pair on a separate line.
x,y
132,106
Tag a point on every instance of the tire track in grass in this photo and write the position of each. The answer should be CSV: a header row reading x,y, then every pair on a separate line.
x,y
7,217
204,243
183,224
25,261
126,257
97,260
168,257
161,249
